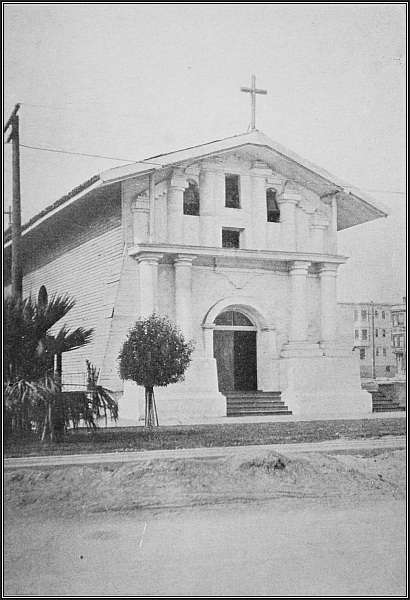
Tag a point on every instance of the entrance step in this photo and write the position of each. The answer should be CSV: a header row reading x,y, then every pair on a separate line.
x,y
382,403
255,403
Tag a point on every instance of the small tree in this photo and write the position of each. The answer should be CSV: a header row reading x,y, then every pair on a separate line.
x,y
155,353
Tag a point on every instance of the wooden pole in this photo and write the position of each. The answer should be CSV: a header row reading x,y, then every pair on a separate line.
x,y
16,266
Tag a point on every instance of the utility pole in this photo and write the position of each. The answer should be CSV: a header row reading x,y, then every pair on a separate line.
x,y
16,266
373,344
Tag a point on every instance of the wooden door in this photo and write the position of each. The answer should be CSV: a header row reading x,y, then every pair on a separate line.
x,y
235,353
224,354
245,360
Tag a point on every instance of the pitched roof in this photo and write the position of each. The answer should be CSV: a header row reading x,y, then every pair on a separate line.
x,y
354,206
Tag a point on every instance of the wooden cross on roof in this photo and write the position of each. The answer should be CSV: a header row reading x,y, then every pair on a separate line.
x,y
253,91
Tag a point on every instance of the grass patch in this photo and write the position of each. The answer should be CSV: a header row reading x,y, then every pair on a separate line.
x,y
204,436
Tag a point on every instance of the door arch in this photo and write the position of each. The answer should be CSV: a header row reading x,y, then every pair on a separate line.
x,y
235,350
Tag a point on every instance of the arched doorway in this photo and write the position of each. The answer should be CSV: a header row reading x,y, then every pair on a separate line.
x,y
235,351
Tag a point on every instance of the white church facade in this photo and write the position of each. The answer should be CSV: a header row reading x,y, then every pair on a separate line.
x,y
234,240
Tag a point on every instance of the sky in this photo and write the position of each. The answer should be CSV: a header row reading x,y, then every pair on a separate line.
x,y
133,80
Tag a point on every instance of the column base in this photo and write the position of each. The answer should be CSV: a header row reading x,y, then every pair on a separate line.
x,y
294,349
324,386
190,401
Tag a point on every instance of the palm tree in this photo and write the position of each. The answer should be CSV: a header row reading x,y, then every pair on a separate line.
x,y
30,351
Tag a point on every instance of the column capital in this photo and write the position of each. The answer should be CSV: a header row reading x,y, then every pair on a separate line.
x,y
184,259
178,179
289,198
212,165
140,203
320,226
319,221
327,268
148,257
260,169
299,267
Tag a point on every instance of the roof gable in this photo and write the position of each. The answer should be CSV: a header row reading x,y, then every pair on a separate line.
x,y
354,207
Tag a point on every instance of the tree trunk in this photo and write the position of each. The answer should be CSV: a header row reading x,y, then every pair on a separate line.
x,y
151,417
50,420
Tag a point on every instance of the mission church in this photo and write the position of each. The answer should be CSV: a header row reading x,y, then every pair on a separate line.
x,y
235,240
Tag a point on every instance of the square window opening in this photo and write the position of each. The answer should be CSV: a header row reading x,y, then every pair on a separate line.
x,y
230,238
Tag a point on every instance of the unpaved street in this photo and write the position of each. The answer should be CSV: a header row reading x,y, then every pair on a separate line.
x,y
285,547
234,524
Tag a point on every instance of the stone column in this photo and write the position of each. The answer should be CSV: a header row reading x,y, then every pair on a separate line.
x,y
333,227
140,214
287,204
208,340
148,283
183,293
298,299
259,173
207,208
328,304
175,207
317,229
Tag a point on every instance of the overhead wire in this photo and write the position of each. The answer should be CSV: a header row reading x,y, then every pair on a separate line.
x,y
59,151
89,155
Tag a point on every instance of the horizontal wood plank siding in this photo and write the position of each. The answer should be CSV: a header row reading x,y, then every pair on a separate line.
x,y
88,269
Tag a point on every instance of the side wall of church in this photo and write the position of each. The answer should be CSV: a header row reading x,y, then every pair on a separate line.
x,y
85,264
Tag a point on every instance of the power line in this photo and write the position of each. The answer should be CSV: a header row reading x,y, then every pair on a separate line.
x,y
128,160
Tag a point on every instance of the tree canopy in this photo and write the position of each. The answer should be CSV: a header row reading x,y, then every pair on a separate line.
x,y
155,353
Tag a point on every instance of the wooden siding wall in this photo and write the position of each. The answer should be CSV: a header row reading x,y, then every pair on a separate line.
x,y
87,268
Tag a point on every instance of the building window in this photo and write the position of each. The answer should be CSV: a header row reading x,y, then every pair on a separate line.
x,y
364,315
376,313
356,334
232,191
356,315
362,353
383,314
191,199
388,368
376,332
272,208
233,318
377,351
384,352
383,332
364,334
230,238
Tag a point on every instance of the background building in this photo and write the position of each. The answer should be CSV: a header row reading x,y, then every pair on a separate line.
x,y
378,336
399,338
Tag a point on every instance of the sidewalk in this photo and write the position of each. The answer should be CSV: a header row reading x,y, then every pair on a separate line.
x,y
388,442
259,419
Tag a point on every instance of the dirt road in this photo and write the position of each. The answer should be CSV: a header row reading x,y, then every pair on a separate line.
x,y
287,547
240,524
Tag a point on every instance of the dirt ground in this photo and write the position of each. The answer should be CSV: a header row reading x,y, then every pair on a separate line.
x,y
197,481
312,524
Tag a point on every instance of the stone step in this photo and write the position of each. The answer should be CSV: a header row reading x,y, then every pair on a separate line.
x,y
251,393
257,413
255,402
388,408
